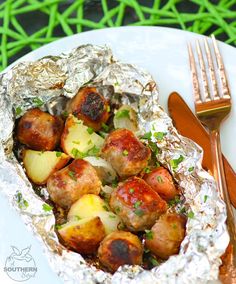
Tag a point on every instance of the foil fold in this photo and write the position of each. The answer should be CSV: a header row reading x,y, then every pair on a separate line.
x,y
46,82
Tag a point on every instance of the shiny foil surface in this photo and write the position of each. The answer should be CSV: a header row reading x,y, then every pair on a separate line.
x,y
52,79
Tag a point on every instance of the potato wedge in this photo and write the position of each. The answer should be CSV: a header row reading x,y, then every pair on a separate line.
x,y
40,165
87,206
83,236
78,140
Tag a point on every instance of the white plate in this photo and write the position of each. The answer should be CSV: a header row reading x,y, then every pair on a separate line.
x,y
161,51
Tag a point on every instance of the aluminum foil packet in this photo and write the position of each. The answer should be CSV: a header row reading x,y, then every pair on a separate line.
x,y
46,83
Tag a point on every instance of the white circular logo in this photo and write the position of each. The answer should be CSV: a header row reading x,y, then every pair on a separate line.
x,y
20,266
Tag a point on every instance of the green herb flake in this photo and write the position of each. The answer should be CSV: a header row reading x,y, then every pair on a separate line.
x,y
114,183
175,162
117,210
125,153
76,142
159,135
22,203
105,207
183,210
90,130
46,207
190,215
58,154
124,113
191,169
153,147
65,114
112,216
38,102
159,179
149,234
72,175
116,84
147,170
94,151
174,226
77,217
131,190
137,204
147,135
153,261
157,164
205,198
18,111
58,226
77,154
121,226
105,127
108,108
174,201
139,212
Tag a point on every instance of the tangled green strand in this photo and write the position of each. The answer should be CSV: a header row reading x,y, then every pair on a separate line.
x,y
220,17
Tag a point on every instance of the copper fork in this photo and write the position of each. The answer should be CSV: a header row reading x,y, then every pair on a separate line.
x,y
212,105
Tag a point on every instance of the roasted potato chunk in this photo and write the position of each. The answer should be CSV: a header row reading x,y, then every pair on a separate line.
x,y
137,204
84,235
120,248
39,130
72,182
90,106
167,235
78,140
40,165
162,182
127,155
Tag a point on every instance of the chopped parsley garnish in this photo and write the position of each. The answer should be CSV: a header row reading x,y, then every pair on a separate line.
x,y
38,102
77,154
90,130
157,164
153,261
147,170
58,154
190,215
46,207
120,226
89,142
117,210
65,114
137,204
138,212
105,127
174,201
205,198
105,207
174,226
94,151
108,108
22,203
125,153
183,210
149,234
159,135
18,111
122,113
112,216
159,179
114,182
116,84
58,226
175,162
77,217
76,142
131,190
72,175
191,169
153,147
147,135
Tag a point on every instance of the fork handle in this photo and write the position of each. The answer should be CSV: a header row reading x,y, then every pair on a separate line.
x,y
218,172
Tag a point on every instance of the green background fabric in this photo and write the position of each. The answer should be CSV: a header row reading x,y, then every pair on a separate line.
x,y
27,25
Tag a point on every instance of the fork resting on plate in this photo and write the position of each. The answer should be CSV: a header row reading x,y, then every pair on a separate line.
x,y
212,105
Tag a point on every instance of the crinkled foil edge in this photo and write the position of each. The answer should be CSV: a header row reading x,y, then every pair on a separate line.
x,y
48,79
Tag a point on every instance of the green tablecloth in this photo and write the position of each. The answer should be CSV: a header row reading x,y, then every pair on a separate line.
x,y
28,24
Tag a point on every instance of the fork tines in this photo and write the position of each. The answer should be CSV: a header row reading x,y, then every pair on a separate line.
x,y
204,52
